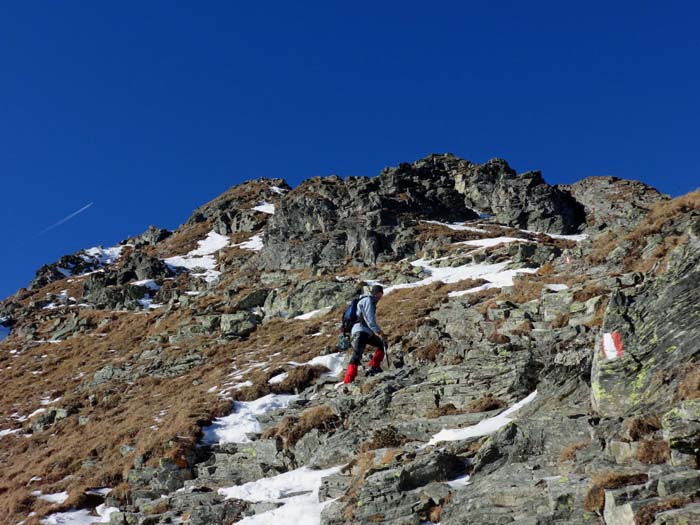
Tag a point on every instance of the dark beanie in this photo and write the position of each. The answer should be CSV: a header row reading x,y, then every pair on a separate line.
x,y
376,288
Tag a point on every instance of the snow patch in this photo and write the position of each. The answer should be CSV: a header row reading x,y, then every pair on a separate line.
x,y
483,428
556,287
7,432
496,280
278,378
202,257
102,256
457,226
300,509
243,420
462,481
80,517
265,207
314,313
487,243
278,190
59,497
147,283
255,243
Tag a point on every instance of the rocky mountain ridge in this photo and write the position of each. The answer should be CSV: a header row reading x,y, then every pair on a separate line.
x,y
543,359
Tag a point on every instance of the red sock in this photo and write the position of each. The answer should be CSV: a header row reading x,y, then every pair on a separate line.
x,y
377,359
350,374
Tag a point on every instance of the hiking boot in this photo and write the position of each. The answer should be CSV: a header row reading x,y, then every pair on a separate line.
x,y
373,371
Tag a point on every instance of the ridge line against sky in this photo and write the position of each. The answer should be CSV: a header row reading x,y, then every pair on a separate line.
x,y
154,109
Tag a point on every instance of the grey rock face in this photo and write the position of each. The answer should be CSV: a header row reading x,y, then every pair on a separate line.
x,y
524,200
326,220
612,202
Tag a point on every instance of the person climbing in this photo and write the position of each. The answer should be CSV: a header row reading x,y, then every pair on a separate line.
x,y
366,331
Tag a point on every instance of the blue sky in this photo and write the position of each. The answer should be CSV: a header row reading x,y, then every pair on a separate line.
x,y
149,109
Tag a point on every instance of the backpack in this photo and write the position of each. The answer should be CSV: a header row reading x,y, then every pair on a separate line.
x,y
350,316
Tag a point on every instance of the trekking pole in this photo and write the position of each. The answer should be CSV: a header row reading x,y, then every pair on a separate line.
x,y
386,351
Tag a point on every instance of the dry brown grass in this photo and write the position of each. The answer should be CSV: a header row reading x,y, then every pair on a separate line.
x,y
638,427
595,497
588,292
560,321
664,218
429,352
689,385
292,429
486,404
498,339
402,311
569,452
653,452
523,328
647,514
387,437
443,410
361,464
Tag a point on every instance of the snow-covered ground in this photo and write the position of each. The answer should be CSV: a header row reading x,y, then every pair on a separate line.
x,y
59,497
243,420
494,241
265,207
313,313
296,490
457,226
278,190
80,517
483,428
102,256
203,257
255,243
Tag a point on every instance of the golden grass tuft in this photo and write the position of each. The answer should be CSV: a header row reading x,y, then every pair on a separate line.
x,y
653,452
486,404
595,497
569,452
292,429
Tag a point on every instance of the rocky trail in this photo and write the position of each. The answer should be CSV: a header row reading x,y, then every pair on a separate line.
x,y
543,341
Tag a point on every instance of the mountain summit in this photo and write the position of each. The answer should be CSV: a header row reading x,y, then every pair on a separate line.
x,y
542,359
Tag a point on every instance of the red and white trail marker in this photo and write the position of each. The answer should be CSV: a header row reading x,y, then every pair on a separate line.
x,y
611,347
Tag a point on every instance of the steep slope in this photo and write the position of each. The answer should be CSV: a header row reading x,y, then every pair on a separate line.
x,y
194,372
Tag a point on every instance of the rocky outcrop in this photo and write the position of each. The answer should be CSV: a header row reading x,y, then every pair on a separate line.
x,y
521,200
610,202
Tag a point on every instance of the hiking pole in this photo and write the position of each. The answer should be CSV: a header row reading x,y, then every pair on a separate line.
x,y
386,352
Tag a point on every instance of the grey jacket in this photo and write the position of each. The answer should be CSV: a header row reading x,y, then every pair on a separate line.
x,y
366,310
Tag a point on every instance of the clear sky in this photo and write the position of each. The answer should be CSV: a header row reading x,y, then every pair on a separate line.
x,y
149,109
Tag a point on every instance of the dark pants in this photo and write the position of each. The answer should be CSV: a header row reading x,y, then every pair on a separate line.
x,y
359,341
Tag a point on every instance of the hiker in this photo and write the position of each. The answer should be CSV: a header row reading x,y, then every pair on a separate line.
x,y
365,332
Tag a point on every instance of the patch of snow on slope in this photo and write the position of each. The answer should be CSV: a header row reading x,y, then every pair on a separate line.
x,y
457,226
243,420
300,509
265,207
278,190
278,378
102,256
483,428
449,274
80,517
486,243
255,243
556,287
8,432
496,280
59,497
202,257
575,238
314,313
147,283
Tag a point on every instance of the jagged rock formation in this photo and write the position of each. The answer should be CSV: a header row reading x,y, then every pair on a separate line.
x,y
181,365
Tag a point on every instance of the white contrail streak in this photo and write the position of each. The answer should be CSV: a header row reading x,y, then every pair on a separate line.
x,y
65,219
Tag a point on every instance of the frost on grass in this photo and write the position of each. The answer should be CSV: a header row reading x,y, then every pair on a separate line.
x,y
243,420
296,490
203,257
483,428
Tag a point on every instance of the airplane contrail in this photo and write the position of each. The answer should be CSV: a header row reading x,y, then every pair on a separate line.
x,y
65,219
